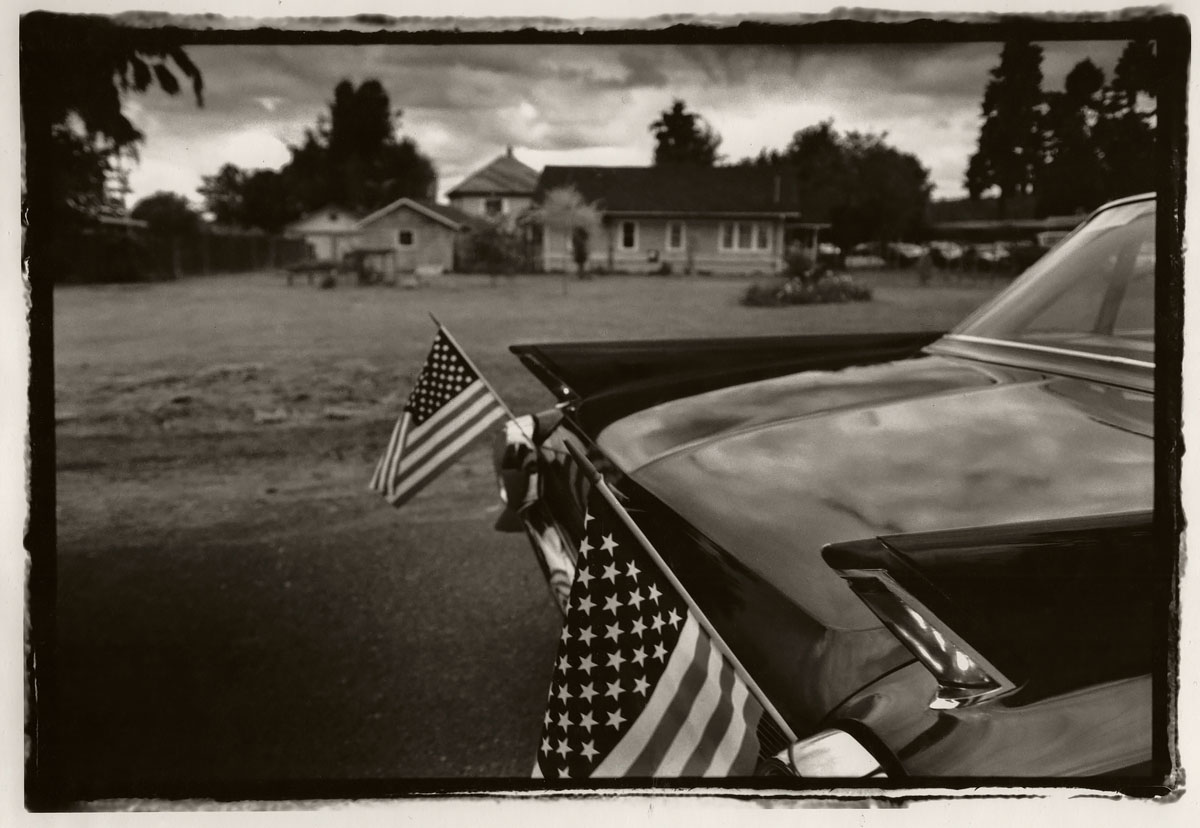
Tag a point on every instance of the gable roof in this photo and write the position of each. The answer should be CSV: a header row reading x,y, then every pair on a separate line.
x,y
444,214
504,175
678,189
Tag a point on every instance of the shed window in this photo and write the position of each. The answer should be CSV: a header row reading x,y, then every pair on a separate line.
x,y
493,206
405,238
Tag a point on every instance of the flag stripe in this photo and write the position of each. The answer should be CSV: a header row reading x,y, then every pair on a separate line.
x,y
378,478
450,443
618,761
693,728
740,735
389,481
747,756
675,717
420,445
415,480
701,760
419,435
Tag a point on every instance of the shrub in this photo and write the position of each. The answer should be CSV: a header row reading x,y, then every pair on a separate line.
x,y
495,250
796,291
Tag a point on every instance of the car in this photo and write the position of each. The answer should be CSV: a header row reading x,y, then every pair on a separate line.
x,y
927,556
903,254
946,253
992,256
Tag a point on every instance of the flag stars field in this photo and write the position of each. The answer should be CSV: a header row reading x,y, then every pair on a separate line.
x,y
629,667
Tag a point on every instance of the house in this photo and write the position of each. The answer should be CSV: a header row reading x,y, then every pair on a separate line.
x,y
415,236
331,231
501,189
681,219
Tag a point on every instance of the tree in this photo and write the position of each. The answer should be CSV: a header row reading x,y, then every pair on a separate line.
x,y
1125,132
1072,175
564,210
351,157
167,214
684,137
354,158
1010,138
866,188
887,196
75,72
223,194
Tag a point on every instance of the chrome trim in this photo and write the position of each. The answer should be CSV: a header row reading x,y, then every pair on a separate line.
x,y
830,753
944,700
548,542
1114,360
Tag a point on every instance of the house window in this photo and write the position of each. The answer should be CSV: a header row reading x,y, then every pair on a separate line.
x,y
493,206
674,235
629,235
405,238
745,236
727,234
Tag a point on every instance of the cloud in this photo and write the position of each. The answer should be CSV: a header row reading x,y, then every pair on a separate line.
x,y
582,104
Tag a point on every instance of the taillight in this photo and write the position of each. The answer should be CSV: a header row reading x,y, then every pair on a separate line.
x,y
964,676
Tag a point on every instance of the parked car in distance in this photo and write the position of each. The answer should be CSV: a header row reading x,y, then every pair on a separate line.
x,y
946,254
992,256
903,254
935,550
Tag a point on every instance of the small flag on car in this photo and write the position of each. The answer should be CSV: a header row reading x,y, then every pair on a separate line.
x,y
450,406
639,688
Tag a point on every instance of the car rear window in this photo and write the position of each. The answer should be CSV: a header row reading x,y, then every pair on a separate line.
x,y
1094,293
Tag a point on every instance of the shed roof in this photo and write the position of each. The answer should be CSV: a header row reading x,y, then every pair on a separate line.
x,y
679,189
503,175
451,217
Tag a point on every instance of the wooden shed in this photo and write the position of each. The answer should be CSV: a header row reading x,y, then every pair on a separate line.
x,y
422,235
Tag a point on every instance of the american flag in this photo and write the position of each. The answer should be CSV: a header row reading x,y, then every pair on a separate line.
x,y
449,407
639,689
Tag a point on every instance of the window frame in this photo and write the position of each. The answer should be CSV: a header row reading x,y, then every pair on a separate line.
x,y
621,246
412,237
682,236
759,232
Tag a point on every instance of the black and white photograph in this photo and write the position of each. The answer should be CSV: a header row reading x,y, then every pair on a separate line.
x,y
760,406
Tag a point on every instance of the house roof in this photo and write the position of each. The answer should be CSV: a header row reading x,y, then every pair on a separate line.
x,y
451,217
504,175
678,189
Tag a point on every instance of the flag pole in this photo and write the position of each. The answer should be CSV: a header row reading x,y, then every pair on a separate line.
x,y
598,481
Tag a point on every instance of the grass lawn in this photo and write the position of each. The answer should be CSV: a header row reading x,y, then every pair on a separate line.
x,y
205,354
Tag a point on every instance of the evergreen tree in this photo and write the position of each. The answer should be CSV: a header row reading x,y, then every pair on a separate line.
x,y
1072,178
1125,133
1010,138
683,137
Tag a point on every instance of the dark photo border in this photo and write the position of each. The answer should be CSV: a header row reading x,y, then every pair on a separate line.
x,y
46,787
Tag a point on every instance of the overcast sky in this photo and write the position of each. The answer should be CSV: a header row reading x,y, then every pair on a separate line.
x,y
579,105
